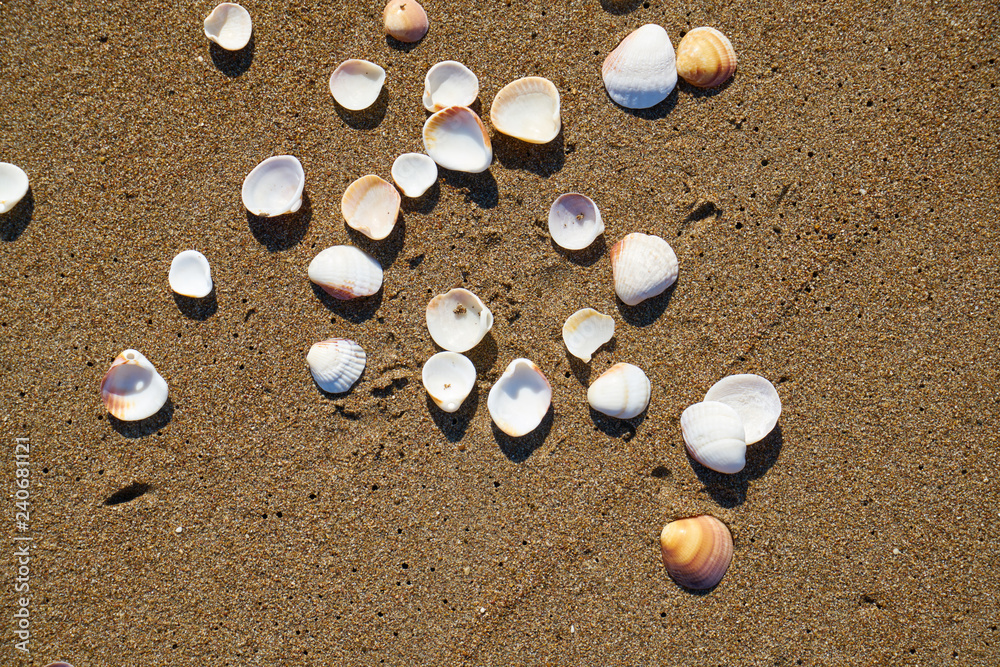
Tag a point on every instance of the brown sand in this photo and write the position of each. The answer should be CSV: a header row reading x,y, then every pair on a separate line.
x,y
834,213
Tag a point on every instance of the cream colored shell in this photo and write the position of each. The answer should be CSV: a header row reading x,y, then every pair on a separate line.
x,y
644,266
527,109
696,551
371,206
132,389
705,58
456,139
405,20
585,331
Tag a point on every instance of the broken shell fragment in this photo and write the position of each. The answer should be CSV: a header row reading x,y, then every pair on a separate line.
x,y
755,400
456,139
449,378
13,185
520,398
274,187
458,320
585,331
336,364
527,109
190,274
229,25
449,84
405,20
641,72
705,58
132,389
714,436
622,391
371,206
356,84
345,272
574,221
643,266
414,174
696,551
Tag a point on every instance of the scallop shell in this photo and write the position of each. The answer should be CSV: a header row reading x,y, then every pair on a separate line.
x,y
449,378
371,206
229,25
520,398
190,274
527,109
705,58
405,20
622,391
641,71
414,174
345,272
644,266
714,436
585,331
458,320
456,139
356,84
274,187
132,389
13,185
336,364
696,551
755,400
449,84
574,221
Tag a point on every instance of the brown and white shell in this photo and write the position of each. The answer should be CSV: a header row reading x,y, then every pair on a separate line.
x,y
705,58
371,206
696,551
405,20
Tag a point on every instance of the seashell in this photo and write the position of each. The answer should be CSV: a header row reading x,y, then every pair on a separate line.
x,y
644,266
229,25
345,272
405,20
574,221
449,84
371,206
456,139
274,187
641,71
449,378
705,58
696,551
414,174
356,84
755,400
714,436
336,364
458,320
520,398
622,391
585,331
132,389
13,185
527,109
190,274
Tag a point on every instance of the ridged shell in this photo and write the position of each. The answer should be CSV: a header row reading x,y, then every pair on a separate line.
x,y
13,185
346,272
585,331
520,398
696,551
336,364
356,84
274,187
644,266
132,389
371,206
190,274
449,378
705,58
755,400
405,20
229,25
713,434
527,109
622,391
574,221
458,320
414,173
456,139
641,72
449,84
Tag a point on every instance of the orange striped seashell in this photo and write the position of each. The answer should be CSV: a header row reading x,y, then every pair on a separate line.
x,y
705,58
696,551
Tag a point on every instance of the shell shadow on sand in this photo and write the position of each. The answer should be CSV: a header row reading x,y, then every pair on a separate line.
x,y
453,425
368,118
144,427
540,159
353,310
281,232
15,221
645,313
480,189
197,309
519,449
731,490
233,63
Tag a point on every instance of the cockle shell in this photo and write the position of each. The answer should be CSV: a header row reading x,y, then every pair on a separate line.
x,y
458,320
229,25
641,71
356,84
132,389
414,174
371,206
705,58
190,274
527,109
13,185
644,266
449,378
755,400
449,84
714,436
456,139
520,398
696,551
274,187
336,364
585,331
405,20
346,272
622,391
574,221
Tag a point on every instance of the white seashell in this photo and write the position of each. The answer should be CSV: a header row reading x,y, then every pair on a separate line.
x,y
414,174
190,274
754,398
527,109
229,25
585,331
641,72
13,185
449,378
621,391
336,364
371,206
449,84
713,433
356,84
456,139
458,320
132,389
644,266
274,187
346,272
574,221
520,398
405,20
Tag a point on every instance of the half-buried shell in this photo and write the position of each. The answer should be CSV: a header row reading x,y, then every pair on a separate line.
x,y
336,364
371,206
520,398
696,551
527,109
345,272
132,389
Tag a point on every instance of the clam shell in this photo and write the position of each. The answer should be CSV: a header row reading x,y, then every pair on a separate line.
x,y
574,221
705,58
527,109
405,20
755,400
520,398
622,391
449,84
696,551
585,331
449,378
229,25
345,272
414,173
456,139
13,185
644,266
641,71
371,206
458,320
132,389
356,84
714,436
274,187
190,274
336,364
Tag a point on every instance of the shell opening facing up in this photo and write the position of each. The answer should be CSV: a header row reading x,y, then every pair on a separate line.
x,y
414,174
371,206
458,320
641,72
405,20
696,551
356,84
190,274
132,389
705,58
585,331
754,398
449,378
644,266
345,272
714,436
229,25
336,364
574,221
520,398
274,187
449,84
622,391
527,109
456,139
13,185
